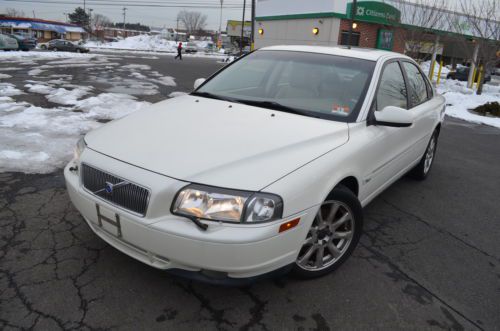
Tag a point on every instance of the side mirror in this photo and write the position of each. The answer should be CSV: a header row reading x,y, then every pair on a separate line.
x,y
394,116
198,82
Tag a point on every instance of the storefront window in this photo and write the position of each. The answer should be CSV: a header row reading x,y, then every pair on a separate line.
x,y
354,38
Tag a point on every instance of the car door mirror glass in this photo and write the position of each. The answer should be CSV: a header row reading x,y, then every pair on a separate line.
x,y
198,82
394,116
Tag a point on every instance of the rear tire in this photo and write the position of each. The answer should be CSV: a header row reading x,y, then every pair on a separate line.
x,y
422,169
333,235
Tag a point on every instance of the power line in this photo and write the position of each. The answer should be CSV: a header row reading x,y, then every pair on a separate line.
x,y
157,4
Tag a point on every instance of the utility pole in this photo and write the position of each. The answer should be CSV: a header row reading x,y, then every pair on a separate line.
x,y
242,26
219,36
84,5
253,26
124,15
351,21
90,19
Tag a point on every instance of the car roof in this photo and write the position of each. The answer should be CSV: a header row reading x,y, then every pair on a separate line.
x,y
355,52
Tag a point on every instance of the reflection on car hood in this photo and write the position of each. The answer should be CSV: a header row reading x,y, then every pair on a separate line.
x,y
217,143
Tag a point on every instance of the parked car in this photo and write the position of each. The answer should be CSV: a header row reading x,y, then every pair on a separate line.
x,y
45,45
25,43
462,74
66,46
264,168
190,48
7,43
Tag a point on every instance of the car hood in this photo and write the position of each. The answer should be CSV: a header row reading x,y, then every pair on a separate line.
x,y
217,143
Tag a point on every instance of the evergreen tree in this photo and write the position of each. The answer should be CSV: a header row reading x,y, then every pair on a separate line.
x,y
80,17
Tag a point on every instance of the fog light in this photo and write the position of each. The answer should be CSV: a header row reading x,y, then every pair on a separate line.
x,y
289,225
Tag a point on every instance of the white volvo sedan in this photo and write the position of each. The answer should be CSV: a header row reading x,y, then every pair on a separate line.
x,y
264,168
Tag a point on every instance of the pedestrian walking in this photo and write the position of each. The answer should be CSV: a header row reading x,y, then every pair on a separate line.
x,y
179,51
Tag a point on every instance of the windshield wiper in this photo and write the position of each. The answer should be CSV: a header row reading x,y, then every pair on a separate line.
x,y
277,106
213,96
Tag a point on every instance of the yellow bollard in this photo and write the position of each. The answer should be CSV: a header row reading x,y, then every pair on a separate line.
x,y
431,74
479,76
439,71
473,76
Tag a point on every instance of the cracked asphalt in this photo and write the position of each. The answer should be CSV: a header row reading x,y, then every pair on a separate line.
x,y
429,258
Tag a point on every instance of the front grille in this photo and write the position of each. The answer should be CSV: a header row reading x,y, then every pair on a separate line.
x,y
125,194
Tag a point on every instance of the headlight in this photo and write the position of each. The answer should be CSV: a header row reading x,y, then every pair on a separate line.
x,y
227,205
80,146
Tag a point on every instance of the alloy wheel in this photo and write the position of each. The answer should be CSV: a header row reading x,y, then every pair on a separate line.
x,y
329,238
429,155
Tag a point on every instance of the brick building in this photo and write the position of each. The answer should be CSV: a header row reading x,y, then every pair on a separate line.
x,y
326,22
382,24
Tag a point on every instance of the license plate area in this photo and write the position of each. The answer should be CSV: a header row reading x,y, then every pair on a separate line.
x,y
115,223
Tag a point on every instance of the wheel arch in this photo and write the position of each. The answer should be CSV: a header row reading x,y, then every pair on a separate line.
x,y
349,182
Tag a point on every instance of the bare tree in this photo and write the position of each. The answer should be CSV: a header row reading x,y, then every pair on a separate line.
x,y
12,12
481,21
424,16
193,21
99,21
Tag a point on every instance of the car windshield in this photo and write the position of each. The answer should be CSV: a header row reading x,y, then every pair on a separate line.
x,y
311,84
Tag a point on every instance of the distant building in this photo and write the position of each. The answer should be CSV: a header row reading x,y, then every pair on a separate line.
x,y
42,30
109,34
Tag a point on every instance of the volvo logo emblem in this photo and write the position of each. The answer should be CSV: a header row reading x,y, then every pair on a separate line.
x,y
109,187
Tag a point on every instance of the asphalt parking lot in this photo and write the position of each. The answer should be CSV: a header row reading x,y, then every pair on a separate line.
x,y
429,258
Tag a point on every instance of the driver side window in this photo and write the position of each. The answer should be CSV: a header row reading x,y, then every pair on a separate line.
x,y
392,88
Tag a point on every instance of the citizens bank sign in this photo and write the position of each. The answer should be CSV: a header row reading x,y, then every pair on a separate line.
x,y
376,12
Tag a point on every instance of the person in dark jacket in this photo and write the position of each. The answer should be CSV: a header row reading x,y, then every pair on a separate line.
x,y
179,51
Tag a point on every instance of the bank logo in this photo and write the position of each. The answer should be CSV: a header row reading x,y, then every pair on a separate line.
x,y
360,11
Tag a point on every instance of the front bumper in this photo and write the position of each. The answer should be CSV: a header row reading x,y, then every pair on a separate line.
x,y
169,242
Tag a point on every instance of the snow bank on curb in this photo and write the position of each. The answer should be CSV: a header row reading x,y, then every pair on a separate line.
x,y
41,55
461,100
427,65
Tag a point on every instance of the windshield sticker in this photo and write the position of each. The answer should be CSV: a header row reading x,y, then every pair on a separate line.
x,y
340,109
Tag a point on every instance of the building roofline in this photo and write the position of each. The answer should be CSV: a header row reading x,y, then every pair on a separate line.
x,y
37,20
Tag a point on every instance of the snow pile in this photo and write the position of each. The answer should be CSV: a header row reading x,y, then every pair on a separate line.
x,y
41,140
141,42
461,100
426,67
3,76
8,89
41,55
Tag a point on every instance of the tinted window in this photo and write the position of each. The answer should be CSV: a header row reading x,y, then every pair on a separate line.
x,y
392,88
325,85
417,87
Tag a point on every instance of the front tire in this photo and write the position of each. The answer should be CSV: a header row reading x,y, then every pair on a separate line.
x,y
333,235
422,169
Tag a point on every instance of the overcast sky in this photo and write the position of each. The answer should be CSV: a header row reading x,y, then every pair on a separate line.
x,y
153,16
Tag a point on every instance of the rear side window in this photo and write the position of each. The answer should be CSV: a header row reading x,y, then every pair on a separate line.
x,y
416,84
392,89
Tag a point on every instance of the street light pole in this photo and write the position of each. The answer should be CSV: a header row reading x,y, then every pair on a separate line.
x,y
219,37
242,26
253,26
